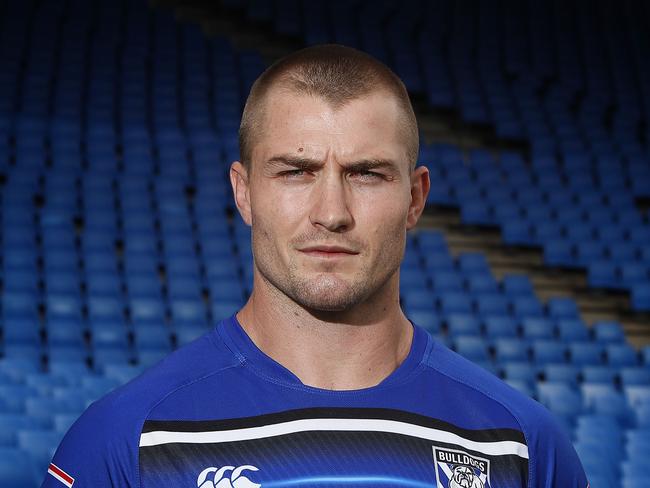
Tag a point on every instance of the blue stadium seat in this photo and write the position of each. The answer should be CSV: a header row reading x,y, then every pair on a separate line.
x,y
447,281
121,373
517,285
227,289
599,374
585,353
545,351
108,334
20,280
639,235
562,308
62,282
491,303
633,273
153,336
608,332
431,240
19,304
472,348
499,326
515,232
621,251
101,261
64,306
21,330
481,284
634,376
621,355
40,445
454,302
98,385
560,373
42,407
558,252
105,355
149,357
104,284
519,371
526,306
572,330
146,310
188,333
436,262
188,312
17,469
537,328
510,349
605,399
103,308
64,331
473,263
641,297
184,287
143,285
70,371
411,277
589,251
62,422
602,274
425,318
10,423
560,398
459,324
224,309
416,298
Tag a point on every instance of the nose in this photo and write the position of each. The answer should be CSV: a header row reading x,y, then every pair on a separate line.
x,y
330,209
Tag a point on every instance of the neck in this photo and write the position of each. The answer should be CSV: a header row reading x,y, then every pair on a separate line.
x,y
346,350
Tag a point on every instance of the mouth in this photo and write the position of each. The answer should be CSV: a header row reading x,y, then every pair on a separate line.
x,y
328,252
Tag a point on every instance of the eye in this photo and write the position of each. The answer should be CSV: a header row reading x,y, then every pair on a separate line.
x,y
293,173
366,175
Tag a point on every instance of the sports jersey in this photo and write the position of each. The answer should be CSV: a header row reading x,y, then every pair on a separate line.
x,y
219,413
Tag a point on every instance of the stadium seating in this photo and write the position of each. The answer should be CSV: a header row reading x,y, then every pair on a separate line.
x,y
117,237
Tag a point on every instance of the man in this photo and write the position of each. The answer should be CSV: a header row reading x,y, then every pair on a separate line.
x,y
320,380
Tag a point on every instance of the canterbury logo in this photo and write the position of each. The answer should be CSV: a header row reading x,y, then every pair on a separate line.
x,y
219,477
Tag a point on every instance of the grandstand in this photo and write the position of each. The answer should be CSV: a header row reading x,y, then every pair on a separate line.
x,y
120,241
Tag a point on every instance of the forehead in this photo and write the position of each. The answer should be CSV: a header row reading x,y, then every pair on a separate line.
x,y
365,127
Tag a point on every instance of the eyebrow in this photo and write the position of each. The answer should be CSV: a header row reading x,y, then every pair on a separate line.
x,y
313,164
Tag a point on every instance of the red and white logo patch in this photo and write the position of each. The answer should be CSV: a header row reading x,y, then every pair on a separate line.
x,y
61,475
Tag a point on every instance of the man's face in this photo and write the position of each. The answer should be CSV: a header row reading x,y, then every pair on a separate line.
x,y
329,198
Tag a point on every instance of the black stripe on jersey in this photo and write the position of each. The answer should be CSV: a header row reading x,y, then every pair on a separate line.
x,y
478,435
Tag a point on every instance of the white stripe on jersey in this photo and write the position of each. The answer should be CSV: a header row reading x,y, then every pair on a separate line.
x,y
495,448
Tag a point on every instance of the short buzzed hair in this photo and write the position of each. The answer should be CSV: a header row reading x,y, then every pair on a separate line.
x,y
334,73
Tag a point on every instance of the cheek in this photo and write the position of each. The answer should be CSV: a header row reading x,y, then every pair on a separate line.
x,y
275,213
383,213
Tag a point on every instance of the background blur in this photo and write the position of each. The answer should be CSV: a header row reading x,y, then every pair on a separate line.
x,y
120,241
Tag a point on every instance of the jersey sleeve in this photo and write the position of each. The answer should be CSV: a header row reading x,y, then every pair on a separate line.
x,y
98,450
553,460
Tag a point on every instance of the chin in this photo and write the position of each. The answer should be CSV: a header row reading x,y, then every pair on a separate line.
x,y
326,294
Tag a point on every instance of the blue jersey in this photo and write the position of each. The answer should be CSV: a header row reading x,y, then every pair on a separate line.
x,y
219,413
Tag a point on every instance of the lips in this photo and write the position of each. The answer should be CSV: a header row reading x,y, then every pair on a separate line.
x,y
328,251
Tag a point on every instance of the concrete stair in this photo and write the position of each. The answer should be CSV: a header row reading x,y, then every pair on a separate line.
x,y
594,305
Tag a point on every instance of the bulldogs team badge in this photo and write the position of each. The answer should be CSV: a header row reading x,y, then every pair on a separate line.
x,y
457,469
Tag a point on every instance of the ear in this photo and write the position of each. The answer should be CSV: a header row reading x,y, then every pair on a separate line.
x,y
419,190
241,190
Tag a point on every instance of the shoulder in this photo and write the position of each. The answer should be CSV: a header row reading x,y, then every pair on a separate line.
x,y
103,442
203,357
547,442
465,378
